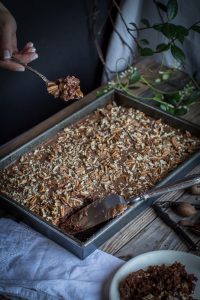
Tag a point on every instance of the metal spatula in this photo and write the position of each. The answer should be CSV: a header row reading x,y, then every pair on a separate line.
x,y
107,208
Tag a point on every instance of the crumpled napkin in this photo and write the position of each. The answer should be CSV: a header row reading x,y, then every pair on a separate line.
x,y
34,267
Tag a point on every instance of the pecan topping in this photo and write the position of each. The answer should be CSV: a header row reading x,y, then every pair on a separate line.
x,y
65,88
115,149
158,282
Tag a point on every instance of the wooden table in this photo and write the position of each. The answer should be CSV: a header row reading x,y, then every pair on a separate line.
x,y
146,232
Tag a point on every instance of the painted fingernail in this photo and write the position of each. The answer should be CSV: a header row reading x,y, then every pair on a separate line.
x,y
20,69
28,45
32,50
35,56
6,54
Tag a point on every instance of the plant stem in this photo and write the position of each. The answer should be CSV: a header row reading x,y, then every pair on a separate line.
x,y
155,89
145,98
159,12
123,20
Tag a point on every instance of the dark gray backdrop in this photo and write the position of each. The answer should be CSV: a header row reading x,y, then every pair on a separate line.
x,y
60,32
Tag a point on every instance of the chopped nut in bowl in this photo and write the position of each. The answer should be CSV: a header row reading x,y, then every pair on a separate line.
x,y
65,88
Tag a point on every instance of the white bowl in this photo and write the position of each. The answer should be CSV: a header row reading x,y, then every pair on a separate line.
x,y
143,261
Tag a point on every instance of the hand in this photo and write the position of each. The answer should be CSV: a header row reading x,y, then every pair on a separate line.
x,y
8,43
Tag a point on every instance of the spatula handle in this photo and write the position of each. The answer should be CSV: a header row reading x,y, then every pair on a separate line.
x,y
177,185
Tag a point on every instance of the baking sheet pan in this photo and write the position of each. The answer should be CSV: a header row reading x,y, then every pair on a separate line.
x,y
75,113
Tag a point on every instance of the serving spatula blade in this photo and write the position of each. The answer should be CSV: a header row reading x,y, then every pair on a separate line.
x,y
107,208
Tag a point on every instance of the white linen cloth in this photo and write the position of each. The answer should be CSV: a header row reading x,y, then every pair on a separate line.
x,y
34,267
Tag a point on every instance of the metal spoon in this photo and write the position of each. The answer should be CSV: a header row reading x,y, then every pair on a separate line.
x,y
60,88
30,69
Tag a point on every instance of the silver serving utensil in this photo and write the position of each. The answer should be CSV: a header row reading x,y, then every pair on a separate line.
x,y
113,205
55,88
30,69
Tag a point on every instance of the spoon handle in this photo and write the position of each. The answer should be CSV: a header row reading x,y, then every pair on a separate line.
x,y
171,187
177,185
30,69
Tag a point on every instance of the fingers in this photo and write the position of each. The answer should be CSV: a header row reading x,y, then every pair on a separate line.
x,y
11,66
8,44
26,55
27,46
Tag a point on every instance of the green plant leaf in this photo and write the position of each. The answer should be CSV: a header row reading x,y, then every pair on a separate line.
x,y
196,28
103,91
162,47
172,9
165,76
178,54
159,27
145,22
161,6
176,97
181,33
168,29
157,97
172,101
167,108
144,41
181,30
194,97
134,76
181,39
181,111
172,31
157,80
163,107
145,51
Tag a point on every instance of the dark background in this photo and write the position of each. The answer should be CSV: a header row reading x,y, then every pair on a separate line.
x,y
60,31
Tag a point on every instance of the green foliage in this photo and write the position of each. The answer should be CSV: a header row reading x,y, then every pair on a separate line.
x,y
134,76
145,51
144,41
145,22
178,54
192,98
172,9
174,33
196,28
177,102
162,47
180,111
